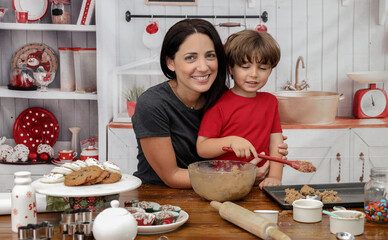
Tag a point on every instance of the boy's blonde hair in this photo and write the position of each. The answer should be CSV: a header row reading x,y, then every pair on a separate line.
x,y
248,45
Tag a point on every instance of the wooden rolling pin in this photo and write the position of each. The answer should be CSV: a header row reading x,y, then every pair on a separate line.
x,y
249,221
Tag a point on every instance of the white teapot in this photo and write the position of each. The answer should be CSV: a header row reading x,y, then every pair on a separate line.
x,y
115,223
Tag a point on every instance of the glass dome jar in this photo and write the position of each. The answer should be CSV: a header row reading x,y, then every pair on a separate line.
x,y
21,79
61,11
376,194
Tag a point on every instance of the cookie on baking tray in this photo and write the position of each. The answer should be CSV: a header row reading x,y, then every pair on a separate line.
x,y
82,176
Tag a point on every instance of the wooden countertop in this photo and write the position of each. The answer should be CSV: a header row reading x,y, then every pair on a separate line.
x,y
339,123
204,221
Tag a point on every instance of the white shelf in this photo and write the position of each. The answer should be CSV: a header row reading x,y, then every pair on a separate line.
x,y
48,27
122,117
52,93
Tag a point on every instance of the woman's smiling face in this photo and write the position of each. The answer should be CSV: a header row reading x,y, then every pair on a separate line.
x,y
195,63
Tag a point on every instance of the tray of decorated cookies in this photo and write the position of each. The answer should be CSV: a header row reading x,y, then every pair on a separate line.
x,y
85,179
155,218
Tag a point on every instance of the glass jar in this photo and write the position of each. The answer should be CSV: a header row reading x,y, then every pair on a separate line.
x,y
376,194
21,79
61,11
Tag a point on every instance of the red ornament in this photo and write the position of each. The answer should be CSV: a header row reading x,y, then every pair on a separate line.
x,y
32,155
152,28
261,28
44,156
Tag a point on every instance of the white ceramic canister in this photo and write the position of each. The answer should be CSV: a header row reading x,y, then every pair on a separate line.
x,y
89,152
67,75
23,202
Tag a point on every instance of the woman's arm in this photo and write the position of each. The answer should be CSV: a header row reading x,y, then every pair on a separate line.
x,y
160,154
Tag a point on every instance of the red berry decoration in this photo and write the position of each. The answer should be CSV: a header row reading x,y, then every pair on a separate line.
x,y
261,28
32,155
152,28
44,156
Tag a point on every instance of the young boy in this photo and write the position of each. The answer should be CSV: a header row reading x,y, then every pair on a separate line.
x,y
244,119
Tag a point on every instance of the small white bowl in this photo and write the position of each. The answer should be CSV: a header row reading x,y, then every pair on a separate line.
x,y
349,221
271,215
307,210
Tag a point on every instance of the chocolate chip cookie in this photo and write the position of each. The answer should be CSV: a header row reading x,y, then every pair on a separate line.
x,y
112,177
102,176
82,176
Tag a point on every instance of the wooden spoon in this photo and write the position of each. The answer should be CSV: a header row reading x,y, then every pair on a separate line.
x,y
302,166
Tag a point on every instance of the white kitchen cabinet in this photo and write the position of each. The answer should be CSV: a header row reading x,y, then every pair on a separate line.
x,y
370,149
357,149
122,149
327,149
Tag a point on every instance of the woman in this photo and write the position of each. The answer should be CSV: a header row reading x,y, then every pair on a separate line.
x,y
168,115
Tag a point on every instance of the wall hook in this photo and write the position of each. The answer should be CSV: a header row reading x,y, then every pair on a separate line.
x,y
264,16
128,16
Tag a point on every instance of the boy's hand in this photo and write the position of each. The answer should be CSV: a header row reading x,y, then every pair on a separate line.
x,y
270,181
243,148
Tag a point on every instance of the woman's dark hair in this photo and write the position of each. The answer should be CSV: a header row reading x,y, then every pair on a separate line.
x,y
174,38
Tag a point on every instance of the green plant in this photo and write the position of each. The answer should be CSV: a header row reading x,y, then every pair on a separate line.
x,y
132,94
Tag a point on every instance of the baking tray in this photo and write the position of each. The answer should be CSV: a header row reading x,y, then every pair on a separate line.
x,y
352,194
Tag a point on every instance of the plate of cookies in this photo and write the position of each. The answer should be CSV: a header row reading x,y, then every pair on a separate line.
x,y
84,179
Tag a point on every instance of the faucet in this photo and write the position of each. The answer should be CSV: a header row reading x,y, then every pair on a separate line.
x,y
297,86
300,59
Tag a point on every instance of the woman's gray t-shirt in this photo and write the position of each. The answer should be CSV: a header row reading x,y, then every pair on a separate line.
x,y
159,113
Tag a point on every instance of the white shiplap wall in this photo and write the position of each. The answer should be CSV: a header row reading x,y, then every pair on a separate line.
x,y
333,39
69,113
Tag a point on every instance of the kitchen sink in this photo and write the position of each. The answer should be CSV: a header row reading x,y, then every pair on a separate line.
x,y
307,107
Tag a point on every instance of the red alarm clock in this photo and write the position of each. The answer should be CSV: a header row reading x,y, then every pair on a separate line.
x,y
370,103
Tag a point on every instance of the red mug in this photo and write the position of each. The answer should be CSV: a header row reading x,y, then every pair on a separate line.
x,y
21,16
66,155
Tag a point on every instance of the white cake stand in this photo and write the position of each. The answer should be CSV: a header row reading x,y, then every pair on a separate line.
x,y
127,183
